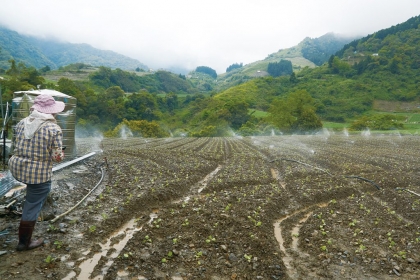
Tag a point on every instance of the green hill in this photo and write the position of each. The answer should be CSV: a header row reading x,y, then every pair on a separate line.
x,y
384,66
308,53
14,46
38,53
371,82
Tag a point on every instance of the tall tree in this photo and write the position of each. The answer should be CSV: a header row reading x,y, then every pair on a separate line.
x,y
295,113
281,68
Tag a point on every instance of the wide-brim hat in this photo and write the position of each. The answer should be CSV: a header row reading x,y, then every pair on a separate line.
x,y
46,104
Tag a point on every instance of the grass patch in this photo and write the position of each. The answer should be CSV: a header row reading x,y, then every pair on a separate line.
x,y
258,113
335,126
413,118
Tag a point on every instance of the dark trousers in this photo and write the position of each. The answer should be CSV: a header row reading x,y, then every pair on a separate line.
x,y
36,194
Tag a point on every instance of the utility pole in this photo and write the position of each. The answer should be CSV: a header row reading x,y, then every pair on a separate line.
x,y
5,118
1,100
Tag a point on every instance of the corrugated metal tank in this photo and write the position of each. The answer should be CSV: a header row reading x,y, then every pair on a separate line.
x,y
23,101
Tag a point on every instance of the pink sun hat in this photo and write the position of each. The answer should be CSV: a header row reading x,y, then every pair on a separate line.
x,y
46,104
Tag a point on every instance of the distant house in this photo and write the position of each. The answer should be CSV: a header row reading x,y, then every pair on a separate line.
x,y
375,54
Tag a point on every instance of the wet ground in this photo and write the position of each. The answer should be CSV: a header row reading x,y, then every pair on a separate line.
x,y
331,206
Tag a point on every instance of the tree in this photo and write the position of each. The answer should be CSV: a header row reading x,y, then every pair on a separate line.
x,y
234,66
207,70
307,121
68,87
293,78
141,106
139,128
171,101
13,70
101,77
378,122
45,69
295,113
111,106
281,68
236,113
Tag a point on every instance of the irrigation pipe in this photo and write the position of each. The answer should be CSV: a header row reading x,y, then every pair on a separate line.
x,y
364,179
75,206
302,164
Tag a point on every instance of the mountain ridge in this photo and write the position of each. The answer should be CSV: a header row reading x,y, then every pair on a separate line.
x,y
310,52
37,52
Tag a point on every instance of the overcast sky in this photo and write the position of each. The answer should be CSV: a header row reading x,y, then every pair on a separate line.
x,y
191,33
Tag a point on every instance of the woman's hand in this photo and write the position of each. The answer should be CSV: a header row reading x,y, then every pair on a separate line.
x,y
57,155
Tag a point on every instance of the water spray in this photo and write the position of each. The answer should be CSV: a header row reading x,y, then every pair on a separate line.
x,y
323,170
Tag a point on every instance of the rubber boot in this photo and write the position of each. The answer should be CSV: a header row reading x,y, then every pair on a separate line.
x,y
25,234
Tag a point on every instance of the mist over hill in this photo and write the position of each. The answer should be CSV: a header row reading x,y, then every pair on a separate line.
x,y
39,53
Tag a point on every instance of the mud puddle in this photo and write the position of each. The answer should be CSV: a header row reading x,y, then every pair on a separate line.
x,y
88,266
287,258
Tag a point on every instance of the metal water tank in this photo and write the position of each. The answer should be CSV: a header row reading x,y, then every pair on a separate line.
x,y
23,101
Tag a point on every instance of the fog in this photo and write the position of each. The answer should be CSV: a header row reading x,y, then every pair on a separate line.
x,y
188,33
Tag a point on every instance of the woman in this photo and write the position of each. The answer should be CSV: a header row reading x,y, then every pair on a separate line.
x,y
38,143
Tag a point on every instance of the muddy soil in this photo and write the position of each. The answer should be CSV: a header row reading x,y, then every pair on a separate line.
x,y
330,206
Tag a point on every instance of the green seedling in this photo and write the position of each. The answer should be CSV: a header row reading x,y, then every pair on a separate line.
x,y
210,239
92,229
49,259
353,223
58,244
248,257
198,256
402,254
186,222
156,223
52,228
147,239
361,249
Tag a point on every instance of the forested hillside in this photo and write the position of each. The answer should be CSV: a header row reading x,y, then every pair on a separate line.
x,y
311,52
13,46
38,53
383,67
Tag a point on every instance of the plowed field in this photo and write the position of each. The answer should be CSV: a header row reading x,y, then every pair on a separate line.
x,y
329,206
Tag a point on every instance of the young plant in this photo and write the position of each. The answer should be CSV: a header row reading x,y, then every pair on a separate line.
x,y
49,259
58,244
186,222
248,257
147,239
92,229
361,249
52,228
210,239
